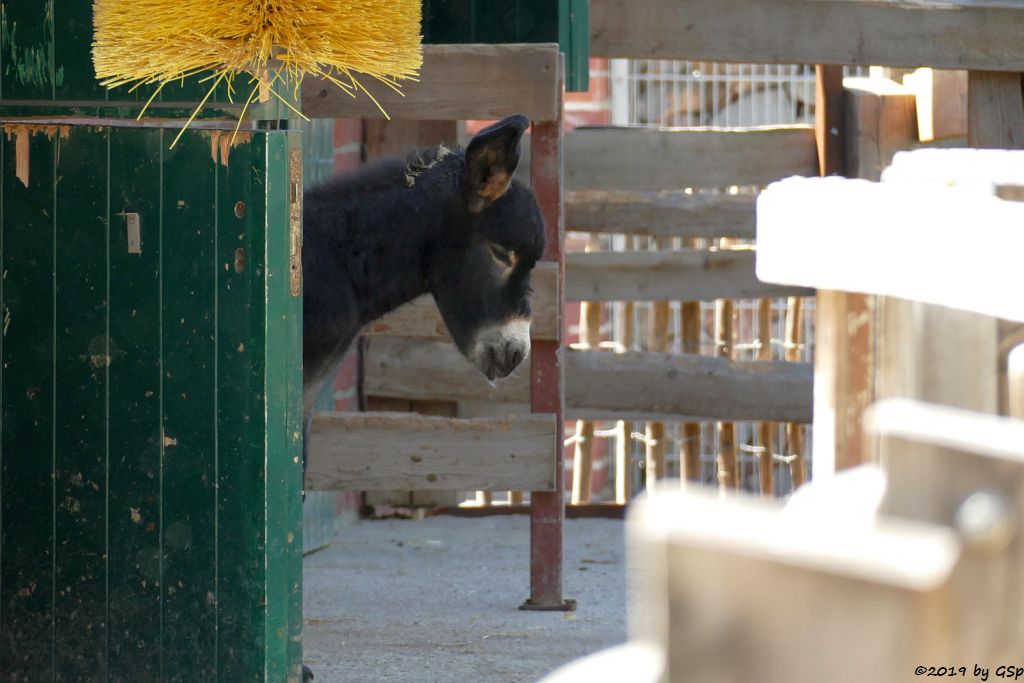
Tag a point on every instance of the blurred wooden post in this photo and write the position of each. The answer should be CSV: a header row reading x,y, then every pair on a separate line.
x,y
766,462
794,430
1015,371
690,325
627,339
583,452
880,120
658,343
728,471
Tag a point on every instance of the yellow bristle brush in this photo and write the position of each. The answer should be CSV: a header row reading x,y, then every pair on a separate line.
x,y
154,42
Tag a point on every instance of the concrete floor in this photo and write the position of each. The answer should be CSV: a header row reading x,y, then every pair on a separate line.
x,y
401,601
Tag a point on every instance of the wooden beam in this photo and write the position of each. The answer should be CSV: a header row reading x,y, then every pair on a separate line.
x,y
403,451
690,274
456,82
902,240
647,385
648,159
420,318
979,34
662,214
682,387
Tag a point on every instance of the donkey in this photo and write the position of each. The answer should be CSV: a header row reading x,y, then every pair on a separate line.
x,y
456,224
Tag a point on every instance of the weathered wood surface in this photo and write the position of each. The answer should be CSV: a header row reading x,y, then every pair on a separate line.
x,y
881,119
456,82
662,214
734,563
404,451
979,34
941,465
995,109
648,159
941,103
889,231
646,385
420,318
689,275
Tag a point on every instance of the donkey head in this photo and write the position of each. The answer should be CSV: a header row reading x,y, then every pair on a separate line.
x,y
482,269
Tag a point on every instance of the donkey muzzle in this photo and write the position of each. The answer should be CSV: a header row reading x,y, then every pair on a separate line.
x,y
499,349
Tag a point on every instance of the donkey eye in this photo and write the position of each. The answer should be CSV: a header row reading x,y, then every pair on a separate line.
x,y
502,254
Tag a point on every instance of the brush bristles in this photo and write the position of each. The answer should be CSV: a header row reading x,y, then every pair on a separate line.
x,y
142,42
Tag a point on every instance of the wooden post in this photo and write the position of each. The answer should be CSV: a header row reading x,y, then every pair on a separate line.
x,y
583,452
1015,372
766,463
995,120
626,337
690,326
794,430
547,509
728,471
658,343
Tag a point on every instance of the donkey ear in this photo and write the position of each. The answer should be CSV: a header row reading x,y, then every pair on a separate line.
x,y
492,158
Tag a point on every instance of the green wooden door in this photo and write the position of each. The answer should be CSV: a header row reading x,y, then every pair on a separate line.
x,y
150,400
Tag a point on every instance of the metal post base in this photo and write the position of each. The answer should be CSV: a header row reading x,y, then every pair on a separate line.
x,y
564,606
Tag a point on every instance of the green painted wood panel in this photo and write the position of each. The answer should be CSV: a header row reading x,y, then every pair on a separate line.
x,y
189,409
565,22
151,432
80,430
134,404
27,491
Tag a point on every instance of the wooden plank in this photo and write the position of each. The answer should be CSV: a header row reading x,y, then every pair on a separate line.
x,y
945,466
188,472
420,318
80,410
663,214
583,452
880,120
27,401
649,159
941,102
829,131
995,110
656,385
751,560
690,274
766,430
404,451
680,387
794,430
1015,372
134,381
456,82
884,230
980,34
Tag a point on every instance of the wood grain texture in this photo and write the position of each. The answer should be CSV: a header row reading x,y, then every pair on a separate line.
x,y
420,318
402,451
981,34
456,82
881,119
649,159
689,275
663,214
654,385
995,110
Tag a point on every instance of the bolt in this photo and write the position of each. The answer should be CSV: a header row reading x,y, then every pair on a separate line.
x,y
986,521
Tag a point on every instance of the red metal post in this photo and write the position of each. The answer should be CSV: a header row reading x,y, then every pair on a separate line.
x,y
547,509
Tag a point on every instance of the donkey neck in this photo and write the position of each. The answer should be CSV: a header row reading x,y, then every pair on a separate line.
x,y
393,239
